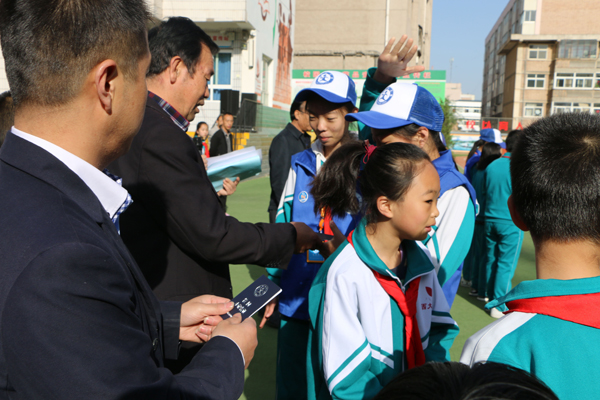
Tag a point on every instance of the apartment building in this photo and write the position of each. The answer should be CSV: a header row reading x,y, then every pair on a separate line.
x,y
541,58
350,34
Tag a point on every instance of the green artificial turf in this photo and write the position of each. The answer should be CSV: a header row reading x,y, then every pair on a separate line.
x,y
249,204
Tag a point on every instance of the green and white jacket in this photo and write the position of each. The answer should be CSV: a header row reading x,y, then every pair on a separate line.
x,y
356,343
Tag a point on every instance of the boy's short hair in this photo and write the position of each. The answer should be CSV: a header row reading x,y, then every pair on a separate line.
x,y
555,171
512,138
177,36
295,106
50,46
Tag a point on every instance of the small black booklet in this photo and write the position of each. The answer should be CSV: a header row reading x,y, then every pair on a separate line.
x,y
253,298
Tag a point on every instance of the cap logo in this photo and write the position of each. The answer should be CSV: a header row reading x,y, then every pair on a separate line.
x,y
324,78
386,96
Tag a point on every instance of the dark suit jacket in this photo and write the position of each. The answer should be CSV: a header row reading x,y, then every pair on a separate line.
x,y
78,319
218,144
287,143
176,228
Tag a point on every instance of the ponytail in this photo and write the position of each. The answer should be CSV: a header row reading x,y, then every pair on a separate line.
x,y
334,187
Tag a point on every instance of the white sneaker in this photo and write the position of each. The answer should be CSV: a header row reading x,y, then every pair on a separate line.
x,y
495,313
486,299
465,283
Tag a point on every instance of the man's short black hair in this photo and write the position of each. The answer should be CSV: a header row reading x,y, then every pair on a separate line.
x,y
7,114
177,36
295,106
555,172
50,46
226,113
512,138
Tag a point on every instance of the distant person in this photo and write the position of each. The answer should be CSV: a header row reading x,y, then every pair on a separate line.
x,y
376,306
476,259
7,114
487,135
222,141
456,381
551,326
216,126
291,140
201,138
503,239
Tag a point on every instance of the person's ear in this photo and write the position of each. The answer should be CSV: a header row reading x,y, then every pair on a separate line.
x,y
384,206
514,214
175,66
105,75
422,136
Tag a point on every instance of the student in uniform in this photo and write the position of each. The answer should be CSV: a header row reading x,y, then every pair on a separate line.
x,y
475,260
331,96
503,240
376,306
409,113
487,135
551,327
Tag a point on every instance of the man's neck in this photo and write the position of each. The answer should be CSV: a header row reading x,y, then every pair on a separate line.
x,y
72,127
570,260
297,126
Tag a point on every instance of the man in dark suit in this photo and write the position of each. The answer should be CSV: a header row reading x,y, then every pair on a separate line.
x,y
77,318
175,228
291,140
222,141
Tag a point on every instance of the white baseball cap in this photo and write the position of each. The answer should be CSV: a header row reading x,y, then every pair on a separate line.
x,y
333,86
401,104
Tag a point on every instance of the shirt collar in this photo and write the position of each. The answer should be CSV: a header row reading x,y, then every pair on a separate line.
x,y
179,119
317,148
110,193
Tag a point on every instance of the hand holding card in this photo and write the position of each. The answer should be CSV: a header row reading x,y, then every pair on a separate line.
x,y
253,298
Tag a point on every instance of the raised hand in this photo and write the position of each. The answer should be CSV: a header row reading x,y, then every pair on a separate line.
x,y
393,60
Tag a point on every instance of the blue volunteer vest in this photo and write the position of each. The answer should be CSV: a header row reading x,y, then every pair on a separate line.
x,y
297,279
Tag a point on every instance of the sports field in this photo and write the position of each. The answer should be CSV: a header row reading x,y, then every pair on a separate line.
x,y
249,204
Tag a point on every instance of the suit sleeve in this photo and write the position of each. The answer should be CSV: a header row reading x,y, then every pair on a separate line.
x,y
176,192
73,308
371,90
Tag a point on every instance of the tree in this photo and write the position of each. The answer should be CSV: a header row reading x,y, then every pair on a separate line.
x,y
449,121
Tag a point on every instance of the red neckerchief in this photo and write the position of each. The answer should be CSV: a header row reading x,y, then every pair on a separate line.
x,y
574,308
415,356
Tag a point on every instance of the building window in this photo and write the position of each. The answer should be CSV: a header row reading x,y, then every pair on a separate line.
x,y
578,49
560,108
529,16
538,51
564,80
222,78
534,109
536,81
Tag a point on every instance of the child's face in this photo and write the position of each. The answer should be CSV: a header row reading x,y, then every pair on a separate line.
x,y
328,122
202,131
414,215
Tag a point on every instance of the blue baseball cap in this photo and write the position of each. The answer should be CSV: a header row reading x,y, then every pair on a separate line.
x,y
492,135
402,104
333,86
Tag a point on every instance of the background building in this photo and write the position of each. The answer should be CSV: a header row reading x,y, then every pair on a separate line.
x,y
541,57
350,34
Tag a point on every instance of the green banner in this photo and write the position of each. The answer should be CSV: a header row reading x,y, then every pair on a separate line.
x,y
437,75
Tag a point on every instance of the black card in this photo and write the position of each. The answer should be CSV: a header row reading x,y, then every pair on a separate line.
x,y
253,298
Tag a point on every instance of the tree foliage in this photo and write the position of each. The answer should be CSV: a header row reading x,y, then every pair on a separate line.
x,y
449,121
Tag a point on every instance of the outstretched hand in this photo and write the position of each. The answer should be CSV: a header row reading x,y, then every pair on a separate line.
x,y
327,248
393,60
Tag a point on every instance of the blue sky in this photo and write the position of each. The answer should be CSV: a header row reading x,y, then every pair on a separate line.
x,y
458,30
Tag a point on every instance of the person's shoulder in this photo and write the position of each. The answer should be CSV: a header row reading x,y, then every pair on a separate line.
x,y
482,344
347,266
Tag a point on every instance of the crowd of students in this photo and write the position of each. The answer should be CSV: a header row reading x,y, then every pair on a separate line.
x,y
380,304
